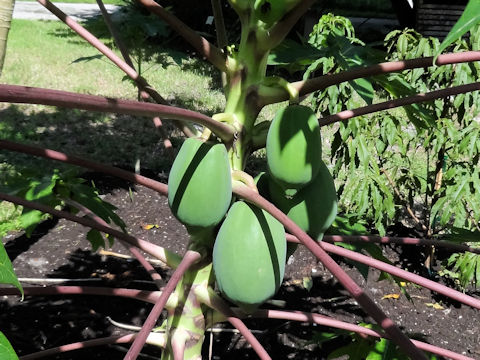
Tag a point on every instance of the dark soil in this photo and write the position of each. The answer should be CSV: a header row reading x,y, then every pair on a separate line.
x,y
58,249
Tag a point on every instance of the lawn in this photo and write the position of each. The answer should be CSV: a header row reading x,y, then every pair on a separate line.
x,y
48,54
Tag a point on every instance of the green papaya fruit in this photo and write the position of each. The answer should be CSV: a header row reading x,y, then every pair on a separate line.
x,y
249,255
294,147
200,184
262,180
314,207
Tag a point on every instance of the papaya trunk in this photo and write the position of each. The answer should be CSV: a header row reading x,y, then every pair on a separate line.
x,y
6,12
246,71
187,322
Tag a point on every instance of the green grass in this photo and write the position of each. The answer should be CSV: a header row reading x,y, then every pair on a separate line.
x,y
48,54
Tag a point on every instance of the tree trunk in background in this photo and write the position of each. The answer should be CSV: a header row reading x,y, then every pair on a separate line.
x,y
6,11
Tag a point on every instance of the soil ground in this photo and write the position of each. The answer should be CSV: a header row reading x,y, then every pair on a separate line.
x,y
59,249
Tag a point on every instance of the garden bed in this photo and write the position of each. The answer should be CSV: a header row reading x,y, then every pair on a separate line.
x,y
59,250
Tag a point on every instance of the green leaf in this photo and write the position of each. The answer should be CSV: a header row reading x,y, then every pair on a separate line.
x,y
385,350
362,151
362,268
6,350
290,51
347,225
364,89
469,18
7,274
39,191
321,337
349,55
396,86
96,239
459,235
88,197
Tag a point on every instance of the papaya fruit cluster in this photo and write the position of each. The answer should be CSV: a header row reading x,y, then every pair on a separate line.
x,y
249,246
298,182
249,250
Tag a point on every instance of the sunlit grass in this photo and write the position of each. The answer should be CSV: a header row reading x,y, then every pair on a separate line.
x,y
48,54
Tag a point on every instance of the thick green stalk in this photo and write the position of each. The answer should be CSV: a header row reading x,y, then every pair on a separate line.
x,y
186,323
246,67
6,11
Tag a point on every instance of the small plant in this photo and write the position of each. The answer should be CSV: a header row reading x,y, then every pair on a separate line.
x,y
237,237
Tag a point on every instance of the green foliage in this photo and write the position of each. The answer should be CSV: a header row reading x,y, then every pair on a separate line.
x,y
363,347
9,218
6,350
469,18
378,159
7,274
58,190
424,159
466,268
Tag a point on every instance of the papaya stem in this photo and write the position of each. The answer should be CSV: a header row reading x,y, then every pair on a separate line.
x,y
156,339
408,100
33,95
244,178
190,258
309,86
209,297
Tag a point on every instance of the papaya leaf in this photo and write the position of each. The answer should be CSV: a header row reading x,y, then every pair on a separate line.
x,y
460,235
7,274
384,349
469,18
347,225
96,239
290,51
321,337
6,350
467,266
88,197
362,268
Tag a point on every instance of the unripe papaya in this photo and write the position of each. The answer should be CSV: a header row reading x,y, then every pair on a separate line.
x,y
200,184
314,207
249,255
294,147
262,181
